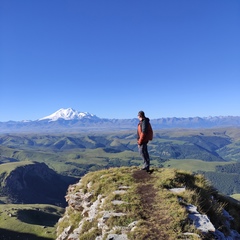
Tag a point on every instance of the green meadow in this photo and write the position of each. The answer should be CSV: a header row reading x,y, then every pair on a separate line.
x,y
193,165
37,221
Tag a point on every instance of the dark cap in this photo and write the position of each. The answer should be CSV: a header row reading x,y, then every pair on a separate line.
x,y
141,114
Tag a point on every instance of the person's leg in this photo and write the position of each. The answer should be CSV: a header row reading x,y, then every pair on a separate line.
x,y
143,151
146,157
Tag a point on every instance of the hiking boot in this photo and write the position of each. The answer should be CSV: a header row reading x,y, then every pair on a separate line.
x,y
145,169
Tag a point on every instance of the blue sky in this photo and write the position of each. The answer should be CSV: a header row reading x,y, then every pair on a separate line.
x,y
170,58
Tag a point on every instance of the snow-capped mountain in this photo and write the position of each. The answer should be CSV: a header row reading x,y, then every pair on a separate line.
x,y
67,114
68,119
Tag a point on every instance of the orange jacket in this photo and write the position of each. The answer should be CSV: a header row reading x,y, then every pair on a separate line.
x,y
144,131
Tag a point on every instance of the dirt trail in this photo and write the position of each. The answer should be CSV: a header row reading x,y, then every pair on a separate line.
x,y
154,216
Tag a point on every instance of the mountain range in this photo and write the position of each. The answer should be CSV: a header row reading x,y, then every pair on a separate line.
x,y
70,120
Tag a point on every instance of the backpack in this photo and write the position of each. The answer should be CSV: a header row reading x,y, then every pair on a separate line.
x,y
150,132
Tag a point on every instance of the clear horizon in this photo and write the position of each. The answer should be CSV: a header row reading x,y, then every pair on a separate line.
x,y
114,58
123,118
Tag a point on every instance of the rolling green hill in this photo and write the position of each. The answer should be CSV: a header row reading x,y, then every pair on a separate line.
x,y
211,152
29,221
75,154
32,182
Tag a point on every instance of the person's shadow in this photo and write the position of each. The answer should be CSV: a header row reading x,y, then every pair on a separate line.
x,y
151,171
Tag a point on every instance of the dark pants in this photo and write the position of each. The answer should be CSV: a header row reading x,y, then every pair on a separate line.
x,y
143,151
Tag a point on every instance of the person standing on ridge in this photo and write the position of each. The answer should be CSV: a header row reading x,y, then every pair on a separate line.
x,y
144,134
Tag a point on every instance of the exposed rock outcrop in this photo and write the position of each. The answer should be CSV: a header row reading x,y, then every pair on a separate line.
x,y
94,210
127,203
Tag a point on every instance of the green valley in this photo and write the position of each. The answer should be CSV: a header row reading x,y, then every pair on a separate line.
x,y
66,158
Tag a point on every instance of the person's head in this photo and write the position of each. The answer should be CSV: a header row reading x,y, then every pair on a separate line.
x,y
141,114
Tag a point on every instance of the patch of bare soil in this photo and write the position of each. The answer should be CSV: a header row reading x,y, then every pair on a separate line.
x,y
154,217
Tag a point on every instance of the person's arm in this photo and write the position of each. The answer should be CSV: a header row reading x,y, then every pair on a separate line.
x,y
144,128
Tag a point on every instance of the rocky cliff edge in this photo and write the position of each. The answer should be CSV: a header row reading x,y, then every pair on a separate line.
x,y
128,203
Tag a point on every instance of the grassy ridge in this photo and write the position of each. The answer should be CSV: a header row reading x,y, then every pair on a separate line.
x,y
158,211
7,168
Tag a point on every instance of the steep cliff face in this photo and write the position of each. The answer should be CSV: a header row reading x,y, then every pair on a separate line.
x,y
127,203
35,183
